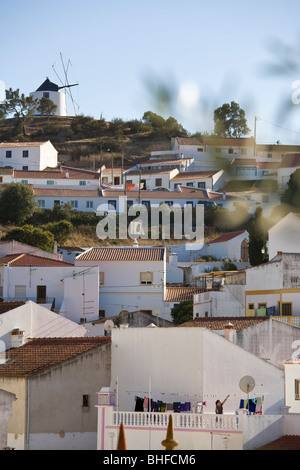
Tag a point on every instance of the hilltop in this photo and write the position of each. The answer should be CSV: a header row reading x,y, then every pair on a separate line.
x,y
87,142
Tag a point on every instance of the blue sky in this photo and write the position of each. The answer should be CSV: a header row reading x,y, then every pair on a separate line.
x,y
205,52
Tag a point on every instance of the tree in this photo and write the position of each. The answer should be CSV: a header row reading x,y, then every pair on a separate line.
x,y
46,107
291,197
32,236
17,203
230,121
258,239
22,107
182,312
61,230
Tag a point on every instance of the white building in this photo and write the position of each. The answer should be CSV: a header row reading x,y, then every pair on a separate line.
x,y
230,245
53,92
71,291
292,380
28,155
151,179
213,180
284,236
189,367
289,164
130,278
31,320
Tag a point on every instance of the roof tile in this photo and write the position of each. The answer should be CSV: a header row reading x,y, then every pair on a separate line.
x,y
122,254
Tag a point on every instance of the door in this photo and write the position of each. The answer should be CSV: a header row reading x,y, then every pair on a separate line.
x,y
40,294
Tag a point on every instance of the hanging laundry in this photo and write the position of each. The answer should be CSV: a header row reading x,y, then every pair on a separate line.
x,y
139,404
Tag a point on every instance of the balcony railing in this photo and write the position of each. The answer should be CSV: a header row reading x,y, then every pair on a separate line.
x,y
180,420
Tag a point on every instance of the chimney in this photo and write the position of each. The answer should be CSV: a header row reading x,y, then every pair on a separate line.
x,y
228,330
16,338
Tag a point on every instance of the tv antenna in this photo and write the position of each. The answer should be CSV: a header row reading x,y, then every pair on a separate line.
x,y
66,85
247,384
109,325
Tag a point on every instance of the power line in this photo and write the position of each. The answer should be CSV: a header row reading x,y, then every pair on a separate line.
x,y
277,125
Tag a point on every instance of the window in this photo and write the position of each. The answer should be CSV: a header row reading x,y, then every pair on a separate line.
x,y
200,149
46,94
1,179
20,292
50,181
41,202
286,308
265,198
89,204
129,204
269,155
101,313
25,153
56,203
116,180
24,181
82,183
189,203
169,203
251,306
262,305
230,151
85,400
158,181
146,203
113,204
190,184
25,167
8,154
74,204
297,389
146,278
294,280
201,185
101,278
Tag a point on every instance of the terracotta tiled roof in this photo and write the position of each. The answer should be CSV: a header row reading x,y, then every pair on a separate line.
x,y
59,173
218,323
188,141
122,254
65,192
227,236
291,160
21,144
268,165
191,193
42,353
229,141
244,162
25,259
156,160
150,172
180,294
283,443
194,174
6,306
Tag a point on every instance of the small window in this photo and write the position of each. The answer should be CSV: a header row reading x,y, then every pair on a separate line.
x,y
46,94
201,185
74,204
101,278
25,153
146,278
297,389
190,184
251,306
262,305
116,180
50,181
56,203
146,203
230,151
8,154
200,149
286,308
265,198
25,167
85,400
101,313
169,203
41,203
112,204
158,181
82,183
24,181
89,204
20,292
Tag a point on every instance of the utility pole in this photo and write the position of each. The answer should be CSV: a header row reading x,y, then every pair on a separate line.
x,y
255,119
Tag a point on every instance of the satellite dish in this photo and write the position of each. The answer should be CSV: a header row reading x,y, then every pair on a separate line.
x,y
247,384
109,325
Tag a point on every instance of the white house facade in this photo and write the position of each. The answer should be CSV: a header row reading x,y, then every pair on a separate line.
x,y
28,155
